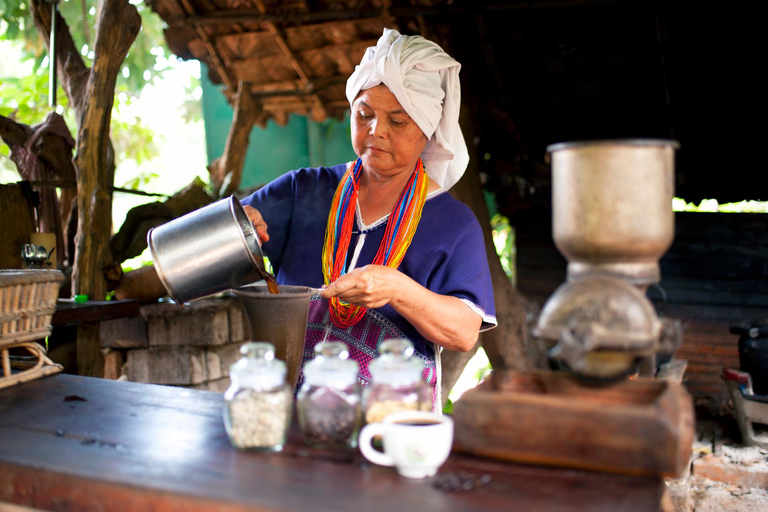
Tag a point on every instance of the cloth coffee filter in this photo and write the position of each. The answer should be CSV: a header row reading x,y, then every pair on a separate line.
x,y
425,80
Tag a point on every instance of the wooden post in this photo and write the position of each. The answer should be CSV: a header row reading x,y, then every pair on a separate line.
x,y
508,345
119,24
247,110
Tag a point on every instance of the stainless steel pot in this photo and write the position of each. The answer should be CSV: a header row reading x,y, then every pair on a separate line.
x,y
207,251
612,206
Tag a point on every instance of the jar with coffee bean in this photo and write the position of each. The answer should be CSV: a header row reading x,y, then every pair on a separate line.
x,y
257,405
328,403
396,382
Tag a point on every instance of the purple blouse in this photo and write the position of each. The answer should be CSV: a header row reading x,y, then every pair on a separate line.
x,y
447,256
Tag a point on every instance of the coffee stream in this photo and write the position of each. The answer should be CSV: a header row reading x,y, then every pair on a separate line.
x,y
271,283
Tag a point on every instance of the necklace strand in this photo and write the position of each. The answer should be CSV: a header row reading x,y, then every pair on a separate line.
x,y
401,227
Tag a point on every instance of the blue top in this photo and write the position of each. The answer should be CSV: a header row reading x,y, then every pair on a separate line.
x,y
447,255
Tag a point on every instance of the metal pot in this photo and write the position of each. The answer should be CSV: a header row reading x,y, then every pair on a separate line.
x,y
207,251
612,206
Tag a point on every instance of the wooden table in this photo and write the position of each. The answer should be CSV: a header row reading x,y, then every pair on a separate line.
x,y
69,312
85,444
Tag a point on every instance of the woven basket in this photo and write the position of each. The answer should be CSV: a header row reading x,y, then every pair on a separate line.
x,y
27,303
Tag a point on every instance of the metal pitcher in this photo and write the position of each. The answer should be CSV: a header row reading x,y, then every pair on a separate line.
x,y
207,251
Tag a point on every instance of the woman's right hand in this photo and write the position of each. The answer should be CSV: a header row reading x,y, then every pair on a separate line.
x,y
258,222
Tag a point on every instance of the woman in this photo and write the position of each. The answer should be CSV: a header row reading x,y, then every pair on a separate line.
x,y
398,256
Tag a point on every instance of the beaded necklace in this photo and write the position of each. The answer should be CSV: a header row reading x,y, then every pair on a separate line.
x,y
401,226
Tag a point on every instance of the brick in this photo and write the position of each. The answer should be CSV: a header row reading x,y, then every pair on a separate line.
x,y
219,359
205,323
714,467
239,329
123,333
113,364
176,365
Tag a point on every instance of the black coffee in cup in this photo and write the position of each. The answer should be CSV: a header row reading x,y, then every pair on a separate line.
x,y
417,422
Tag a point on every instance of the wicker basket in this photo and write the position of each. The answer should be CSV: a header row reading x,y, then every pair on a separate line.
x,y
27,303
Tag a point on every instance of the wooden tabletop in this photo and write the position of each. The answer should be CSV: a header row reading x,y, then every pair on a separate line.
x,y
86,444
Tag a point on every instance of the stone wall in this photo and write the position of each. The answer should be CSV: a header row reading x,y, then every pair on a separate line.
x,y
191,346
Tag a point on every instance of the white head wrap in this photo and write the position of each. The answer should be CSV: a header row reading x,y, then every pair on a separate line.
x,y
425,80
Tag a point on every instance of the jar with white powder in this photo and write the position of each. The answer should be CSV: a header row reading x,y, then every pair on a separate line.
x,y
257,405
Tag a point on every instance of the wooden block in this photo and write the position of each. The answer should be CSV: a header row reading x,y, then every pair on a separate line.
x,y
642,427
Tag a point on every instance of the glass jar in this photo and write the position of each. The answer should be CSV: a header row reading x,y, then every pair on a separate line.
x,y
257,405
396,382
328,403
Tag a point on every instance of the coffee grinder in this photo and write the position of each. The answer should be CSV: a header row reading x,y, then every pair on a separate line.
x,y
612,220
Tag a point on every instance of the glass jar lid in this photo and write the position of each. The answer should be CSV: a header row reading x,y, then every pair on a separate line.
x,y
396,365
331,366
258,368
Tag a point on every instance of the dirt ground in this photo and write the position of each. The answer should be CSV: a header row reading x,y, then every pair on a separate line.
x,y
736,475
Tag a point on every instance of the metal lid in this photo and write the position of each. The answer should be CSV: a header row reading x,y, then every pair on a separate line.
x,y
258,369
331,366
612,142
396,366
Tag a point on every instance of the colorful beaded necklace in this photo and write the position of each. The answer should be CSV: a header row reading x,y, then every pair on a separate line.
x,y
401,226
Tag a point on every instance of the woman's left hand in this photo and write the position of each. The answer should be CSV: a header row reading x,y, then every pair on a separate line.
x,y
371,286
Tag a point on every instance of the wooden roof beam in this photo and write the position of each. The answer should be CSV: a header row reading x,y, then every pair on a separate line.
x,y
257,16
293,59
296,87
186,10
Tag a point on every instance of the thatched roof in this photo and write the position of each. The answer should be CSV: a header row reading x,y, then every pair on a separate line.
x,y
295,56
533,73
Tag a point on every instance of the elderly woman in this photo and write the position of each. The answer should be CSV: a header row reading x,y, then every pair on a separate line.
x,y
397,255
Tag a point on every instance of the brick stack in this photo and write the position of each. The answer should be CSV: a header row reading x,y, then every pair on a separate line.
x,y
191,346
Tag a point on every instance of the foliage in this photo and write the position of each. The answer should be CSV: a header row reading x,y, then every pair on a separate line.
x,y
478,368
25,99
711,205
18,25
142,260
504,241
20,99
145,60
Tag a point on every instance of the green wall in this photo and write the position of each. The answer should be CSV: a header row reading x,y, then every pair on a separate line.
x,y
276,149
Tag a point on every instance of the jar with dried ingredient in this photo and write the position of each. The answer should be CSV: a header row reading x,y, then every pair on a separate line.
x,y
396,382
257,405
328,403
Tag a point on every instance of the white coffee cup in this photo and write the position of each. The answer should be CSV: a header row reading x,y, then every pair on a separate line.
x,y
417,443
